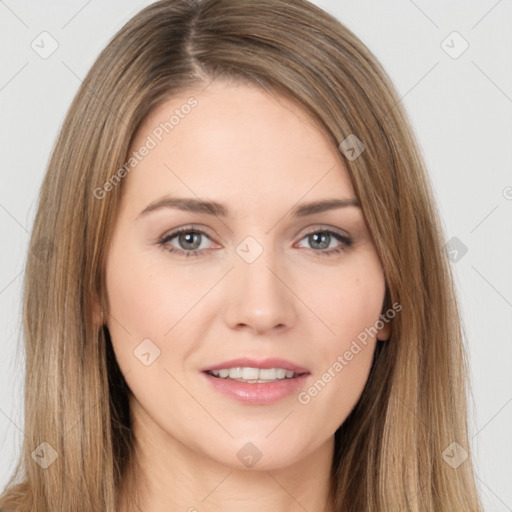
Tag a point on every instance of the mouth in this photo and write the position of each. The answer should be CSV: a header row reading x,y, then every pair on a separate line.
x,y
255,382
245,369
254,375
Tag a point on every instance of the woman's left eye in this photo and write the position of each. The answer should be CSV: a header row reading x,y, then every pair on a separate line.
x,y
324,237
190,241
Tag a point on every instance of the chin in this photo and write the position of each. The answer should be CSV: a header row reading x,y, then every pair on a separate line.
x,y
259,454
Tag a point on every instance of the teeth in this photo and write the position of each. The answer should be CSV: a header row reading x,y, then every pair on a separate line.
x,y
248,374
266,374
234,373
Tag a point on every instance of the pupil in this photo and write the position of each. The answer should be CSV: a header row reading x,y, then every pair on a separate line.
x,y
187,238
325,236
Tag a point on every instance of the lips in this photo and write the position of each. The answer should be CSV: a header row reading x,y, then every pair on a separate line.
x,y
247,393
256,392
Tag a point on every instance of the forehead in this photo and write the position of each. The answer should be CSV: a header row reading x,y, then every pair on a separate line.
x,y
237,143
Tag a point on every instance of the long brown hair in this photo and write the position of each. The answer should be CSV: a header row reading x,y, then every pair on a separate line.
x,y
390,453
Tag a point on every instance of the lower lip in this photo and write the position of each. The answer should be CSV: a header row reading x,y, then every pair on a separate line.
x,y
259,393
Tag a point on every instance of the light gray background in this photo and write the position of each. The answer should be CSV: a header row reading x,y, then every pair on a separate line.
x,y
460,108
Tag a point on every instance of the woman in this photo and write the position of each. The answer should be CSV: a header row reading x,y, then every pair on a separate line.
x,y
307,353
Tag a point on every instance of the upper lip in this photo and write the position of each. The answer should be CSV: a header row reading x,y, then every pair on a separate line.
x,y
272,362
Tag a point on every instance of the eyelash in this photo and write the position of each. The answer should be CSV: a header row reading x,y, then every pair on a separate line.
x,y
346,242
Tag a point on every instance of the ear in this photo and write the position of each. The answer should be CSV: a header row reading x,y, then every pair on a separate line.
x,y
97,313
384,333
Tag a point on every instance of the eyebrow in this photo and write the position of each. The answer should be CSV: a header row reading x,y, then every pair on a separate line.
x,y
214,208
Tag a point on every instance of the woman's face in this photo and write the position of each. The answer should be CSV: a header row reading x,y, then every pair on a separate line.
x,y
254,281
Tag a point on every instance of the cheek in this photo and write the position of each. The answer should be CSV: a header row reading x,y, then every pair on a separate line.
x,y
347,302
143,302
135,298
147,295
147,302
350,304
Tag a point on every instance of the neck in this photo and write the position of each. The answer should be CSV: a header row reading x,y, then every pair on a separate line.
x,y
167,475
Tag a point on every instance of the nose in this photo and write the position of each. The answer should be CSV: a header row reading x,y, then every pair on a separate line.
x,y
260,296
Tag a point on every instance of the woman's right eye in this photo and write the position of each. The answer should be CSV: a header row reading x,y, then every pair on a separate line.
x,y
187,238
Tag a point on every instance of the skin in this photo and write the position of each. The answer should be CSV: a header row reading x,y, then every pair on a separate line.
x,y
260,155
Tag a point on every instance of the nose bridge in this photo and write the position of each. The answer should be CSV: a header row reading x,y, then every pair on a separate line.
x,y
258,296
